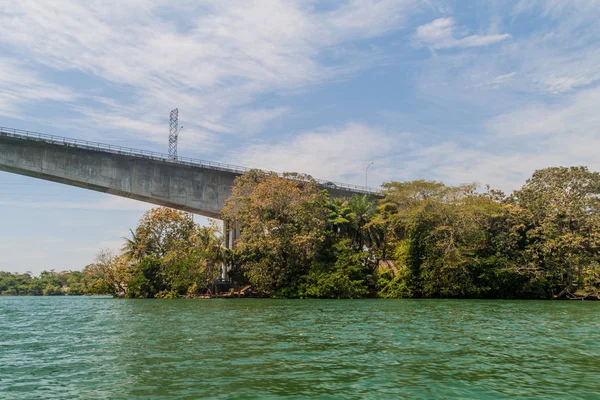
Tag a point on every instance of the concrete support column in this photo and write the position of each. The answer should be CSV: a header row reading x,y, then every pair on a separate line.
x,y
231,233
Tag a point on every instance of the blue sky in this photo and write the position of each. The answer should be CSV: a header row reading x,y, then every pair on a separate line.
x,y
458,91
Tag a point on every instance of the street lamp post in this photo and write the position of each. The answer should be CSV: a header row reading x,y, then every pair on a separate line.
x,y
366,171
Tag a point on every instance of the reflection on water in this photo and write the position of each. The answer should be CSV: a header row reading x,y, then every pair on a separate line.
x,y
64,348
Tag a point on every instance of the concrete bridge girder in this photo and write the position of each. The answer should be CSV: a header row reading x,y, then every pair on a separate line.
x,y
194,189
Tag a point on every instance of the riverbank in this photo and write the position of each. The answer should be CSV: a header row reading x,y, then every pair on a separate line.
x,y
418,239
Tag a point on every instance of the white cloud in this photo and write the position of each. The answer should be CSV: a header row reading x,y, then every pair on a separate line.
x,y
110,203
558,8
20,86
564,54
211,61
441,34
576,116
506,151
512,146
503,161
254,120
331,153
531,78
365,18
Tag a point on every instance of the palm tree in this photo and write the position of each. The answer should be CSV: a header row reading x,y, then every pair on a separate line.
x,y
362,210
131,246
339,219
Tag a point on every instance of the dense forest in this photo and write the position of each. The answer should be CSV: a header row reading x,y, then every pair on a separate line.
x,y
51,283
419,239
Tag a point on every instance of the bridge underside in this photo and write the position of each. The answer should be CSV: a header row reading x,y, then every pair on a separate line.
x,y
194,189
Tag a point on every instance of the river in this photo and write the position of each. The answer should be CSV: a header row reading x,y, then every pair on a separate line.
x,y
101,348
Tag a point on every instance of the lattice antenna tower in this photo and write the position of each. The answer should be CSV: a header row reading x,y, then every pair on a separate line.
x,y
174,130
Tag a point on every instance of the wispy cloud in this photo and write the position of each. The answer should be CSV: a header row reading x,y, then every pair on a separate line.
x,y
576,116
509,147
503,161
20,86
211,62
335,152
441,34
110,203
254,120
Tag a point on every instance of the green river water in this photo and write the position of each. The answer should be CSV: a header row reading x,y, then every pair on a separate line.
x,y
101,348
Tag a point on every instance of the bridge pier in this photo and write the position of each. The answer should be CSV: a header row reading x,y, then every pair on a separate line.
x,y
231,233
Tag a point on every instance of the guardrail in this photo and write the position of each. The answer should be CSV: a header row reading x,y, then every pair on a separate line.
x,y
128,151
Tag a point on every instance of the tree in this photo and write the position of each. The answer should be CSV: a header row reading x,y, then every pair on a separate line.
x,y
195,264
282,222
167,256
346,275
562,211
362,210
339,218
161,230
132,249
442,240
452,247
423,239
396,211
112,271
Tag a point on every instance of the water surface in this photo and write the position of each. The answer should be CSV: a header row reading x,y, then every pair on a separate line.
x,y
98,348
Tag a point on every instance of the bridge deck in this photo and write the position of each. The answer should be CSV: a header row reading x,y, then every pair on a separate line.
x,y
131,152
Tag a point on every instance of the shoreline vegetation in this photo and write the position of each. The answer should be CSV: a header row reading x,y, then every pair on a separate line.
x,y
422,239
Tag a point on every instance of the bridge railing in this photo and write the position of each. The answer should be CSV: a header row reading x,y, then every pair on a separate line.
x,y
128,151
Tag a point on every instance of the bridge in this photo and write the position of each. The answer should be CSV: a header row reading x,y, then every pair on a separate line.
x,y
187,184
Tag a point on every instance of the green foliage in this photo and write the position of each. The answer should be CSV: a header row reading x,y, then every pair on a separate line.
x,y
441,241
146,280
422,239
397,286
562,241
590,281
348,277
48,283
168,256
167,294
282,223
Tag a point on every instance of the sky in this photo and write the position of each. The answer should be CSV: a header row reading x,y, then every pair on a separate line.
x,y
456,91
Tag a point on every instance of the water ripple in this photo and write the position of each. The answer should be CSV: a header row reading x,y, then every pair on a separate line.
x,y
97,348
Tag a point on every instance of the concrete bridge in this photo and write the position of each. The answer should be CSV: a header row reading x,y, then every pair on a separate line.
x,y
196,186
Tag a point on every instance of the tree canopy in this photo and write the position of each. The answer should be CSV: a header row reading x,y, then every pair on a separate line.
x,y
419,239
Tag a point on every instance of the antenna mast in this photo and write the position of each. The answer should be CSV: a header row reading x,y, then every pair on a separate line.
x,y
174,130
